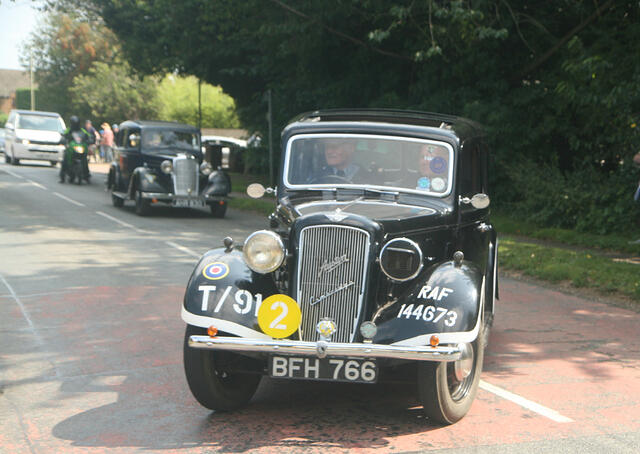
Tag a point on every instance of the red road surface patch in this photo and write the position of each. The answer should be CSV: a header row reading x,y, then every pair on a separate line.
x,y
108,374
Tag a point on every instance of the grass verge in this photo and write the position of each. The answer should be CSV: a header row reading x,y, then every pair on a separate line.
x,y
582,269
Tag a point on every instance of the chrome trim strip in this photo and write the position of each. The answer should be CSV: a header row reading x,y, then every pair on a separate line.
x,y
302,206
357,350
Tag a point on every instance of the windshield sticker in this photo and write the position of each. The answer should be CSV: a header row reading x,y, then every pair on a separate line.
x,y
436,293
215,271
438,184
438,165
424,183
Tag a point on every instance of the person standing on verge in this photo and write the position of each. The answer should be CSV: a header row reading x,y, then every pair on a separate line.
x,y
106,143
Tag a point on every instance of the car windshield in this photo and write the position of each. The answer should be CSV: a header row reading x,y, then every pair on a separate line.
x,y
167,138
381,162
40,122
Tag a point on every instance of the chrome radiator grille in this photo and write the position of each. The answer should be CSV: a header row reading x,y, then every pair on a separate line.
x,y
332,267
185,176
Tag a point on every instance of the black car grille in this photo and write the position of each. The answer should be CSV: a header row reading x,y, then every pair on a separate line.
x,y
331,275
185,174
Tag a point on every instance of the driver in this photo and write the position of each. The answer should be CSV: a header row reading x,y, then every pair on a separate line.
x,y
339,157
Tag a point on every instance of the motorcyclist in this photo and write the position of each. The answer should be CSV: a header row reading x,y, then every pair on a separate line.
x,y
74,126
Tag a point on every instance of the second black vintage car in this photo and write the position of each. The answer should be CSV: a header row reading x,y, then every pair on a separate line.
x,y
159,162
381,259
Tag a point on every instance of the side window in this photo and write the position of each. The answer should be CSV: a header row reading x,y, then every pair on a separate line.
x,y
12,119
120,137
471,170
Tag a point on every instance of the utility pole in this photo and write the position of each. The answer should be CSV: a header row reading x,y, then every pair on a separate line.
x,y
271,180
199,104
33,100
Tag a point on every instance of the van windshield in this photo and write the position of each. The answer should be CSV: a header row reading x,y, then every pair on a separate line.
x,y
39,122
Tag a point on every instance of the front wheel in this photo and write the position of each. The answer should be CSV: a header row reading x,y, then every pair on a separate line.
x,y
447,390
212,379
143,205
218,210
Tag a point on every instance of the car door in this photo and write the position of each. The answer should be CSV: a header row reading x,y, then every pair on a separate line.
x,y
129,157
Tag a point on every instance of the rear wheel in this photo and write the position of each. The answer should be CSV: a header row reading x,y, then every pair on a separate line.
x,y
7,158
143,206
448,389
218,210
117,201
211,377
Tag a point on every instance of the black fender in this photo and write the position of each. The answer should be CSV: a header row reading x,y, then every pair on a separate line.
x,y
446,300
146,180
224,292
218,184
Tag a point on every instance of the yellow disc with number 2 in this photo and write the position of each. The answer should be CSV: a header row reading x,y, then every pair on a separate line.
x,y
279,316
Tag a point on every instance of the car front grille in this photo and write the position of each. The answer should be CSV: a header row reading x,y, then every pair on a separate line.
x,y
185,176
332,267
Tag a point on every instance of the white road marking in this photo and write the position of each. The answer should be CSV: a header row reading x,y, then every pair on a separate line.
x,y
122,223
64,197
525,403
26,316
36,184
14,174
184,249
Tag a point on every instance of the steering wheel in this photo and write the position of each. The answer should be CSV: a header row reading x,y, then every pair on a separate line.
x,y
330,179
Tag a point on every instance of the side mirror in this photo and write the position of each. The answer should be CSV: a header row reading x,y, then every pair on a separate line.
x,y
478,201
256,190
8,126
134,140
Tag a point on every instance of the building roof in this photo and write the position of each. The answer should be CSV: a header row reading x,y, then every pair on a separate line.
x,y
11,80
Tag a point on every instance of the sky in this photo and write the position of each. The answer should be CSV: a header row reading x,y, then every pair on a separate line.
x,y
17,20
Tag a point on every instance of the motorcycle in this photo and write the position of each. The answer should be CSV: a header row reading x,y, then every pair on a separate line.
x,y
76,155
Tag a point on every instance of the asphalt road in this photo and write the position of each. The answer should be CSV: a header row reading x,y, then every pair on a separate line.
x,y
91,350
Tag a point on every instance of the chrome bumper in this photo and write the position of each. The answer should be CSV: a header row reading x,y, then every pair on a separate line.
x,y
169,196
323,348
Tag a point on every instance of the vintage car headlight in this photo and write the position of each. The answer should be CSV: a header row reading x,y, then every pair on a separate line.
x,y
401,259
166,166
263,251
206,168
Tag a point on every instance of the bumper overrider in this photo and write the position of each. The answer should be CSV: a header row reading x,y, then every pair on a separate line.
x,y
323,348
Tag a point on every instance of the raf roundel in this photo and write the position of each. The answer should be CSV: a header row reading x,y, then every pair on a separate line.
x,y
215,271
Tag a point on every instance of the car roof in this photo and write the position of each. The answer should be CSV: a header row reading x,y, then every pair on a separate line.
x,y
156,124
36,112
461,127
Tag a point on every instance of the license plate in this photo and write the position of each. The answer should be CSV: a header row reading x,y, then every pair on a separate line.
x,y
188,203
353,370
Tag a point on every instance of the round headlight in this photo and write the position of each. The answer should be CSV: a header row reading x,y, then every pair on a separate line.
x,y
401,259
166,166
263,251
206,168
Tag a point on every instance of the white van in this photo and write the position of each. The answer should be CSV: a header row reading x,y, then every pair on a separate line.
x,y
34,135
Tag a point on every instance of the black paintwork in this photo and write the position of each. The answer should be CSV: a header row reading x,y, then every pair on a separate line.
x,y
440,226
132,163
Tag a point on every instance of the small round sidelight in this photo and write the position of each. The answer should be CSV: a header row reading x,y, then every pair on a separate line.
x,y
368,330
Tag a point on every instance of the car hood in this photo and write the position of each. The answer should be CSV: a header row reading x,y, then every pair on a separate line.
x,y
38,135
392,216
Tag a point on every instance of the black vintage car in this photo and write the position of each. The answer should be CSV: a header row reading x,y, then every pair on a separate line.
x,y
380,259
159,162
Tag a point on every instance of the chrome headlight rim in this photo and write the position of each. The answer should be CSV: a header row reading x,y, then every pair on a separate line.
x,y
166,167
420,258
206,168
279,249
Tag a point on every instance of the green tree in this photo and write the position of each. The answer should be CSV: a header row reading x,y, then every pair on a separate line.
x,y
109,92
63,47
178,98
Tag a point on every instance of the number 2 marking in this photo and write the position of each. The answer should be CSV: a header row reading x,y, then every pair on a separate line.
x,y
285,310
